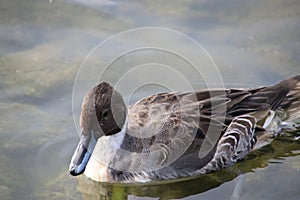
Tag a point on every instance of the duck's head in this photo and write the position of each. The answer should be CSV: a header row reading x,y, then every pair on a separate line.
x,y
103,113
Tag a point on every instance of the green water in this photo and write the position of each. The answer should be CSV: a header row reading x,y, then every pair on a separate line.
x,y
42,45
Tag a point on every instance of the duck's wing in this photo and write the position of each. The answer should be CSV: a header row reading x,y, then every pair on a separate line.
x,y
181,128
164,112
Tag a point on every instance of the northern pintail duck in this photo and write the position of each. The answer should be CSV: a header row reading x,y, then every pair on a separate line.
x,y
174,135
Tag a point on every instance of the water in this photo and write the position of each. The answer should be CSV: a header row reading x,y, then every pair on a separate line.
x,y
43,43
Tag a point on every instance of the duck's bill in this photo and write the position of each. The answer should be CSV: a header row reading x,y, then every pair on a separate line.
x,y
82,154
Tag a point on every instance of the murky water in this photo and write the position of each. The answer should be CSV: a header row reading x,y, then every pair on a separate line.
x,y
43,43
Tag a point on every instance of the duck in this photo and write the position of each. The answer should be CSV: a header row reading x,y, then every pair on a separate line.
x,y
176,135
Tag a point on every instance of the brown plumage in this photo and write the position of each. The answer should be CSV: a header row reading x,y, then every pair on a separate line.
x,y
172,135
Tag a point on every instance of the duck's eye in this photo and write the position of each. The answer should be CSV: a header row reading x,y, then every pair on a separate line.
x,y
105,114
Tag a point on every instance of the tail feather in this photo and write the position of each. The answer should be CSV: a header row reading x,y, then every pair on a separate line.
x,y
284,112
291,104
283,90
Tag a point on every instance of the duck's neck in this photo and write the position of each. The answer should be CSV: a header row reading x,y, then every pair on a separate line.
x,y
117,139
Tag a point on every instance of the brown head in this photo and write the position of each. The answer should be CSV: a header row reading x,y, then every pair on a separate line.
x,y
103,113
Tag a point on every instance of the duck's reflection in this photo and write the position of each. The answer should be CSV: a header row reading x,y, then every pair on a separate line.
x,y
281,147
